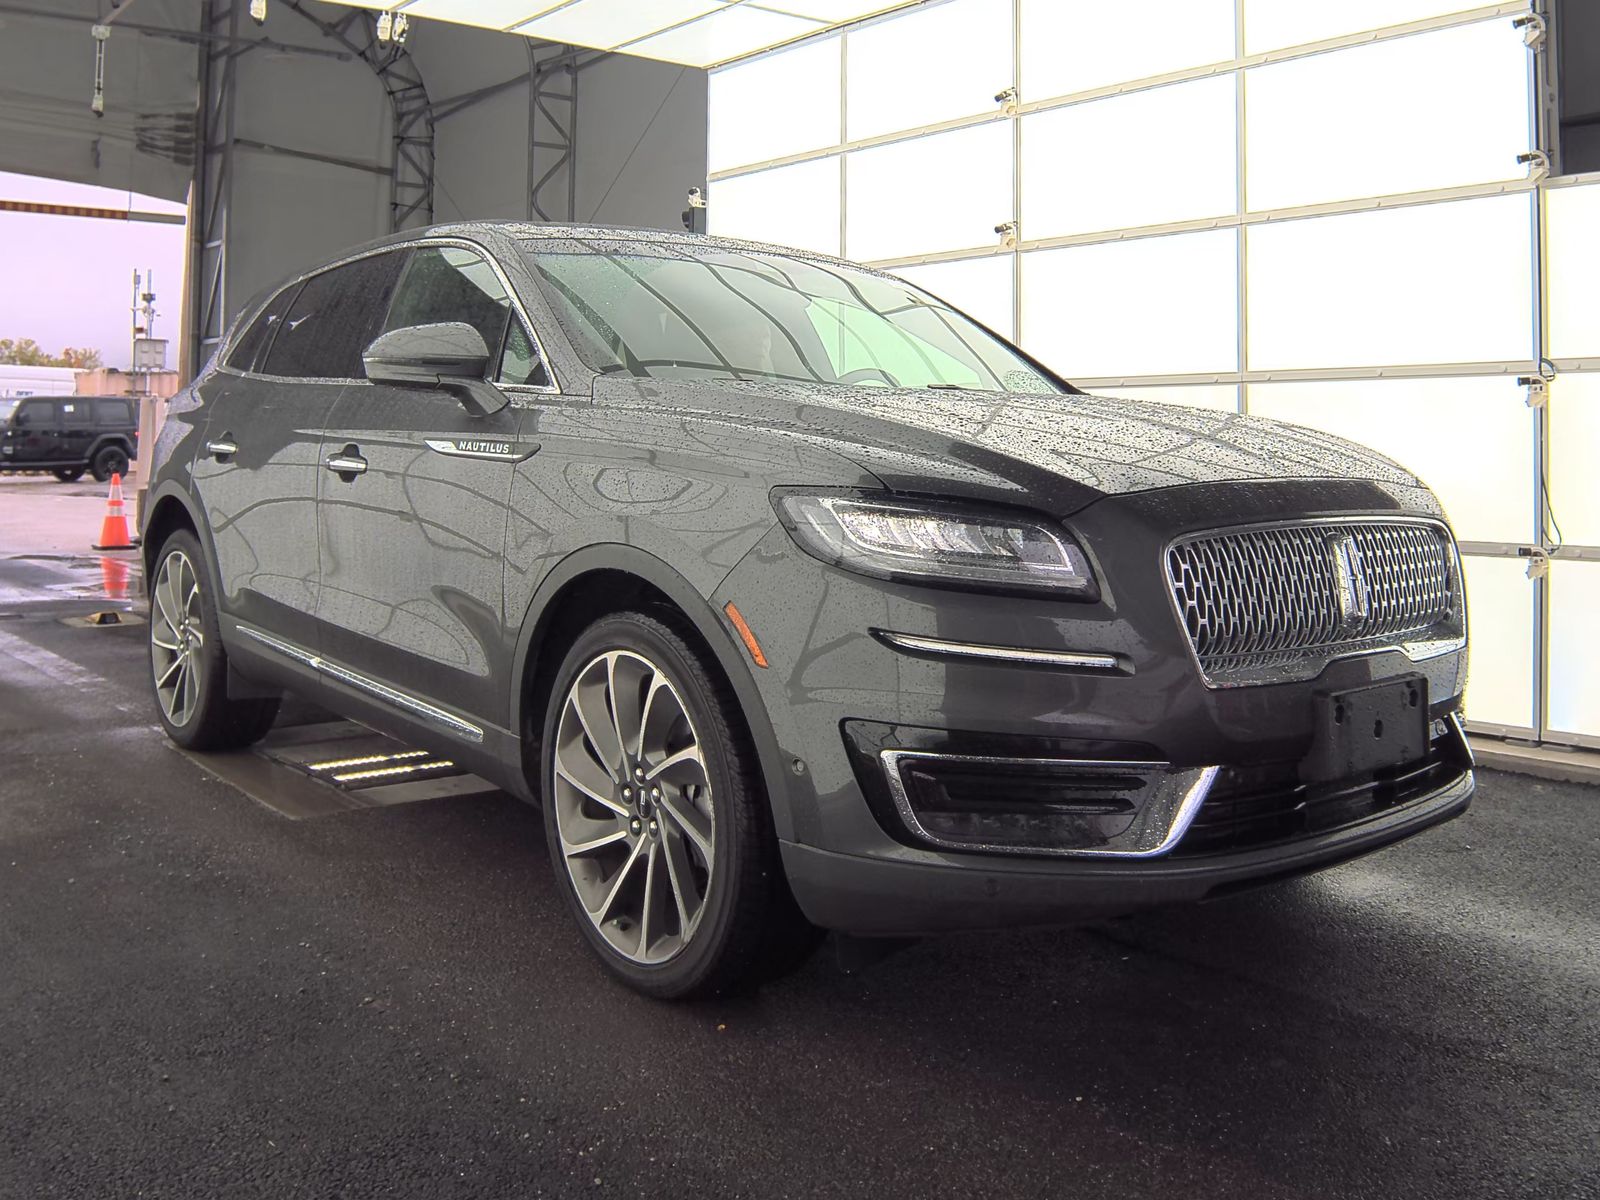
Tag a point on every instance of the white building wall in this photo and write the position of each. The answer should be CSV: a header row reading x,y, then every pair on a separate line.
x,y
1311,211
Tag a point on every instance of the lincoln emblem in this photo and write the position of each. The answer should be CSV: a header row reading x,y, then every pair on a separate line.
x,y
1350,576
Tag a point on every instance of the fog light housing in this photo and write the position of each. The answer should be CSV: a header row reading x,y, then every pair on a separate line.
x,y
1073,807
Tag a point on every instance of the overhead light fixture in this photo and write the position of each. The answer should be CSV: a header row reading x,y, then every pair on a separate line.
x,y
393,27
258,11
101,35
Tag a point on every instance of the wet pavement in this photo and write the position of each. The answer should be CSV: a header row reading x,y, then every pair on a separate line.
x,y
200,996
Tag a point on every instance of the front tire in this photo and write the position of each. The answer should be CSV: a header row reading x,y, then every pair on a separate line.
x,y
188,666
655,815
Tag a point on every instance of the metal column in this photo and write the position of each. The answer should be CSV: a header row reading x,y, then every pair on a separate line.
x,y
552,129
213,183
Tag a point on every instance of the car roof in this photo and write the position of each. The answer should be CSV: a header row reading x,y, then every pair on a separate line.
x,y
539,230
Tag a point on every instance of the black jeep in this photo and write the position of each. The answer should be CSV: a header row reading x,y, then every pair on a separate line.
x,y
68,435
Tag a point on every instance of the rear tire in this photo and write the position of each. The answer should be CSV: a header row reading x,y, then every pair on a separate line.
x,y
657,822
188,666
69,474
109,461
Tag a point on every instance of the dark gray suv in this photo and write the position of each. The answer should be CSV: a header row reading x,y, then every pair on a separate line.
x,y
795,597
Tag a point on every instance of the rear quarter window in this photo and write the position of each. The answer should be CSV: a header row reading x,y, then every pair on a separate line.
x,y
250,351
113,412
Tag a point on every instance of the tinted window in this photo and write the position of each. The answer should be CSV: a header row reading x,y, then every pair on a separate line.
x,y
113,412
333,319
251,348
74,412
446,283
521,363
37,412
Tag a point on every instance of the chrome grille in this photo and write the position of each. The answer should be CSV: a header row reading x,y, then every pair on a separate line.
x,y
1258,598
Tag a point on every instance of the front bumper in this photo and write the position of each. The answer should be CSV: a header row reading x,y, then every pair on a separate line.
x,y
853,863
877,897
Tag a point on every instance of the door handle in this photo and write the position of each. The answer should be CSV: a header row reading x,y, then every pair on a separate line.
x,y
346,464
223,448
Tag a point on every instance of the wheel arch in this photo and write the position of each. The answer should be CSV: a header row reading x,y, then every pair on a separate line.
x,y
167,509
120,440
541,644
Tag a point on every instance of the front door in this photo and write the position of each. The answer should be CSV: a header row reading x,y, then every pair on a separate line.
x,y
413,528
36,434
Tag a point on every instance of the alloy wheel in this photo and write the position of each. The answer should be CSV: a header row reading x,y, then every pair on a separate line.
x,y
177,638
633,806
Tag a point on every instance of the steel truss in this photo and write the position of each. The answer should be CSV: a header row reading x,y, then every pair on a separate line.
x,y
553,132
410,169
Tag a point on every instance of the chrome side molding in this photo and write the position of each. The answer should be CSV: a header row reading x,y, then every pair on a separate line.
x,y
1077,660
380,691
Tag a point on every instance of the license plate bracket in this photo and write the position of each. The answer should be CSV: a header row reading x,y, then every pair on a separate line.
x,y
1366,729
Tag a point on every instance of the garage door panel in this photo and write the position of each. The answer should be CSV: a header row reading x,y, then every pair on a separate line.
x,y
1151,139
794,206
1500,606
1148,306
930,194
1575,648
1434,283
1471,440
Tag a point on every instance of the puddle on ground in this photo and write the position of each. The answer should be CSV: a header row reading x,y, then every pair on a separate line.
x,y
30,579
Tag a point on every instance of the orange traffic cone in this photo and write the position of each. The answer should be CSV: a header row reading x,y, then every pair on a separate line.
x,y
114,529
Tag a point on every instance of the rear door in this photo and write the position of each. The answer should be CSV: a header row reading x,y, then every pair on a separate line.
x,y
412,545
114,417
260,461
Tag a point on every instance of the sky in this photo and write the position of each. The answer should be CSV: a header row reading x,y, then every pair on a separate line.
x,y
69,280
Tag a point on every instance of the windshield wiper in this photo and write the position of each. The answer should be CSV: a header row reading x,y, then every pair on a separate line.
x,y
951,387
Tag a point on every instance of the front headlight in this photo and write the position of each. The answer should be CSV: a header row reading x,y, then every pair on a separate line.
x,y
937,543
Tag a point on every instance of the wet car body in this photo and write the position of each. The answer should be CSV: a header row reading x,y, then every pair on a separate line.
x,y
433,606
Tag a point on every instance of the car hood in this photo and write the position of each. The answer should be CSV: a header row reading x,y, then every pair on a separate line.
x,y
1076,448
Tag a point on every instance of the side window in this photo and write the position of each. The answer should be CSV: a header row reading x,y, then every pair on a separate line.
x,y
251,347
333,319
521,362
73,413
447,283
36,413
113,412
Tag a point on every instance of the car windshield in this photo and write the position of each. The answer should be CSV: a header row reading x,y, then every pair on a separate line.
x,y
7,407
692,312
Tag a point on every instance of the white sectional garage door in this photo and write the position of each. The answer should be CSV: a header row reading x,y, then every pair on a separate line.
x,y
1305,209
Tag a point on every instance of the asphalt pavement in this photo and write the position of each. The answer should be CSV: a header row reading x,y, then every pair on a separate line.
x,y
202,997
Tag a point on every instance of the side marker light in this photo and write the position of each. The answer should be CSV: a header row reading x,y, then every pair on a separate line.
x,y
748,638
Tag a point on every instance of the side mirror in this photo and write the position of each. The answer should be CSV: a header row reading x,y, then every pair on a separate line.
x,y
450,355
